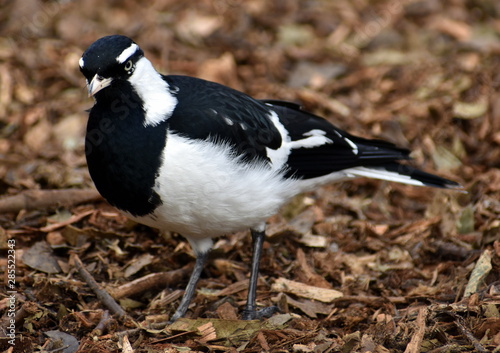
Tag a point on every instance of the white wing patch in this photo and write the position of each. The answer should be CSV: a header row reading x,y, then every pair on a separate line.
x,y
154,91
314,138
279,156
353,145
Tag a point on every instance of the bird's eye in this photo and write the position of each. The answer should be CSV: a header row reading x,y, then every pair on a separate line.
x,y
128,65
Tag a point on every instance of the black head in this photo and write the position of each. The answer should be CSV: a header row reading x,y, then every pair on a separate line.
x,y
107,59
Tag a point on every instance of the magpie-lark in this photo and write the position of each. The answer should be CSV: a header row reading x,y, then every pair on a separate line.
x,y
203,160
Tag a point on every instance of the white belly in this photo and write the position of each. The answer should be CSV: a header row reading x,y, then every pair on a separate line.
x,y
207,193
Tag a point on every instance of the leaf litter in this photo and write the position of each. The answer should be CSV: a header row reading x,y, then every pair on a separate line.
x,y
412,270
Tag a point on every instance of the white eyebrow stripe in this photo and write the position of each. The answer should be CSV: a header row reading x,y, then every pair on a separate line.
x,y
127,53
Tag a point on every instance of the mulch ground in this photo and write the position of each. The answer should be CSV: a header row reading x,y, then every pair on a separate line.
x,y
363,266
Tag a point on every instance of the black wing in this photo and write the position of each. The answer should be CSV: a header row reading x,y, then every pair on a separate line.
x,y
345,151
208,110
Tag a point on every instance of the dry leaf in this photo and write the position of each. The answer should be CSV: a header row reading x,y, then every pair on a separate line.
x,y
309,307
479,273
61,341
41,258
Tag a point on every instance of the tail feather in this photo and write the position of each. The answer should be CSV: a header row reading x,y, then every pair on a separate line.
x,y
404,174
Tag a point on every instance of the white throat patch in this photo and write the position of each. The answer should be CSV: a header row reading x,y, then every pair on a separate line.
x,y
154,91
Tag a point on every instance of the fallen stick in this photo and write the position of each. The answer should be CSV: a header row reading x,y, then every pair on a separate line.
x,y
42,199
101,294
153,280
103,324
72,219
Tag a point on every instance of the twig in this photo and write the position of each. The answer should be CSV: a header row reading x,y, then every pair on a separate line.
x,y
452,347
131,332
103,296
70,220
136,331
416,341
459,322
372,300
103,323
42,199
153,280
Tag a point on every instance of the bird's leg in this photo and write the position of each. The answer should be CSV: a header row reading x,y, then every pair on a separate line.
x,y
249,313
201,259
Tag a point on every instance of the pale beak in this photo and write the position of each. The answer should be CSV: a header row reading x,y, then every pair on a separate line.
x,y
97,84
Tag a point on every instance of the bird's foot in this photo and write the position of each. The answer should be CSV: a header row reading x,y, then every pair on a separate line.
x,y
264,313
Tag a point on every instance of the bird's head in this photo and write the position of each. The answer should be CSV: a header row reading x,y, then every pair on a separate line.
x,y
107,59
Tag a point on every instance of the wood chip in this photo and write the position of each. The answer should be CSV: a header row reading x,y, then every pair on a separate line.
x,y
416,341
232,288
138,263
207,332
470,110
314,241
263,341
456,29
305,291
227,312
126,346
308,274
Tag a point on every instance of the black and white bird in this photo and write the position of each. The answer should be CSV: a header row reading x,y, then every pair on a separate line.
x,y
201,159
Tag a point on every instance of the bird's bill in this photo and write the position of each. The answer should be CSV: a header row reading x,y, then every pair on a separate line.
x,y
97,84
